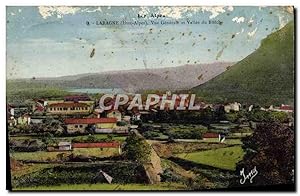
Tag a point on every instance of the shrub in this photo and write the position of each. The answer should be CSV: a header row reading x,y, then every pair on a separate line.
x,y
137,149
121,123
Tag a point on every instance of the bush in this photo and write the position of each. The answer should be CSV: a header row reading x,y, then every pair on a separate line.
x,y
151,134
137,149
121,123
268,116
82,174
169,176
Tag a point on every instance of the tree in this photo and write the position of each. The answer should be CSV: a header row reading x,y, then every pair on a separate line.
x,y
232,116
279,116
271,150
90,129
206,116
137,149
91,138
268,116
219,113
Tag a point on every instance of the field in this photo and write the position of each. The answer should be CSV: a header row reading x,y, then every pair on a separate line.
x,y
45,156
227,141
114,187
29,168
96,136
223,158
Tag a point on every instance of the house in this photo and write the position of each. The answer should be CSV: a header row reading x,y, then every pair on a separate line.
x,y
68,108
99,125
39,106
24,120
210,135
11,121
127,119
136,117
286,108
10,110
282,108
121,129
36,120
18,110
64,146
114,114
219,136
250,108
232,107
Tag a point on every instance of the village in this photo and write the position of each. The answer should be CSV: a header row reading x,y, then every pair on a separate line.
x,y
76,129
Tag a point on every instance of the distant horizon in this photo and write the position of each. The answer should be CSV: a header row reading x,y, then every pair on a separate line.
x,y
128,70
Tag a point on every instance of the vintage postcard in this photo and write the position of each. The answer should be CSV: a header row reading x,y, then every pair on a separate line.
x,y
155,98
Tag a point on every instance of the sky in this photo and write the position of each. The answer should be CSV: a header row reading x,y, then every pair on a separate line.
x,y
52,41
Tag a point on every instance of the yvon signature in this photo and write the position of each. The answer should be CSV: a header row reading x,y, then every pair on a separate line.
x,y
249,176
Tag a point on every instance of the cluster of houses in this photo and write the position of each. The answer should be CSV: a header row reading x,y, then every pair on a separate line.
x,y
81,114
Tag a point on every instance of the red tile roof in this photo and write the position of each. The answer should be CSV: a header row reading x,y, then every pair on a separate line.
x,y
96,145
89,120
286,107
68,105
210,135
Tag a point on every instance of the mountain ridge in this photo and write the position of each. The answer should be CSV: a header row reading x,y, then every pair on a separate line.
x,y
266,76
169,78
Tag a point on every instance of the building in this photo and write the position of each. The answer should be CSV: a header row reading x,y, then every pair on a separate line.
x,y
64,146
127,119
24,120
68,108
18,110
39,106
114,114
136,117
10,110
235,107
36,120
210,135
11,121
98,125
282,108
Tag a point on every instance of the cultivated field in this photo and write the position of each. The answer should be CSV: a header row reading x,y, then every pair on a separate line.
x,y
223,158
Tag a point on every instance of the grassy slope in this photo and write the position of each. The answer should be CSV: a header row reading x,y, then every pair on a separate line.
x,y
266,76
224,158
19,91
44,156
70,138
116,187
29,168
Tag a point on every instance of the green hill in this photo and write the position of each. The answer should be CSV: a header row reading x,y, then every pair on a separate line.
x,y
265,77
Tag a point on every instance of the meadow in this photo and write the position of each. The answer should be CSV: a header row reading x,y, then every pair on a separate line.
x,y
46,156
223,158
